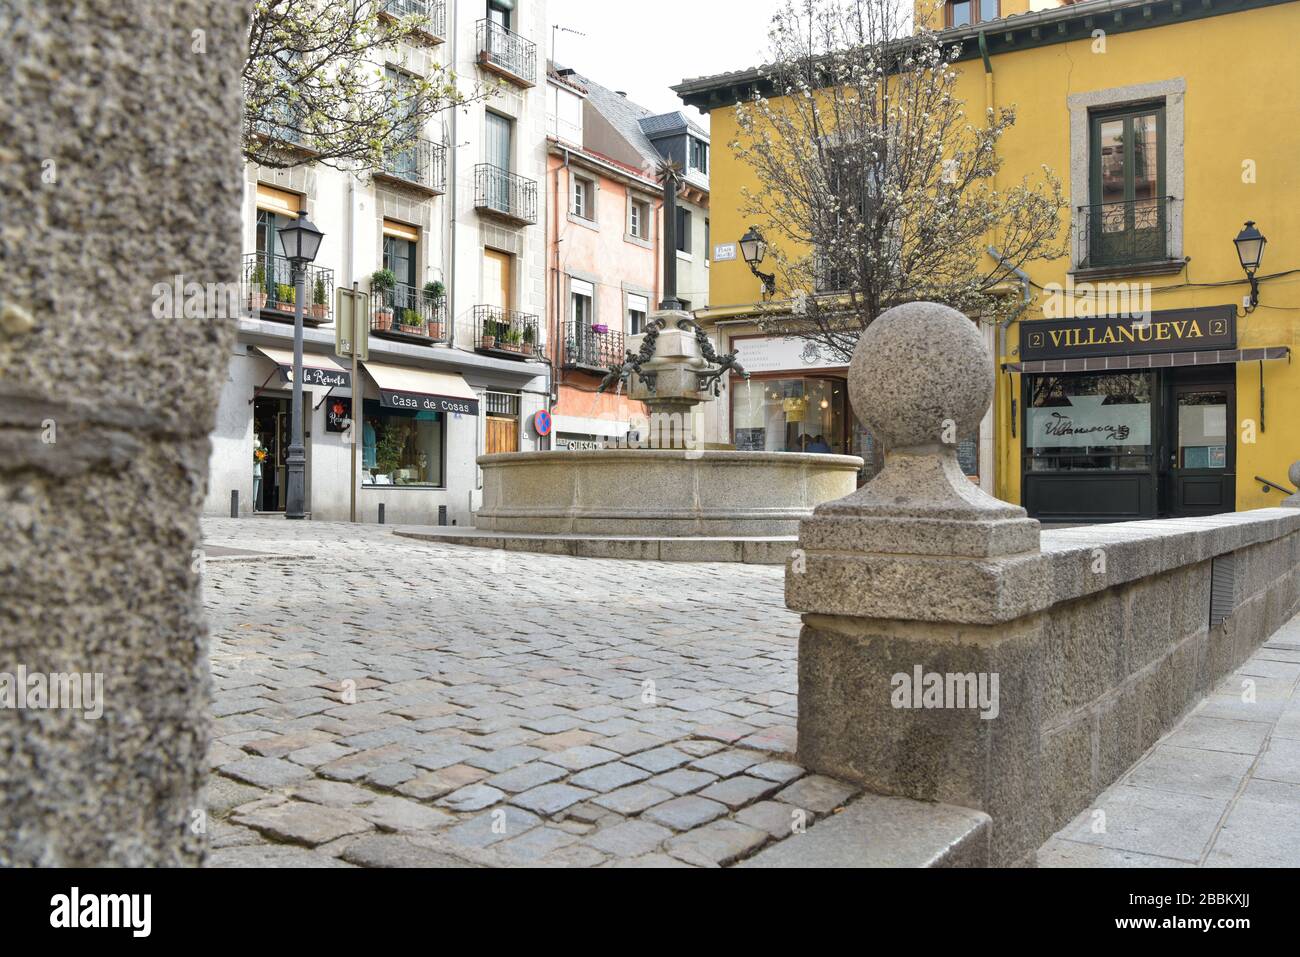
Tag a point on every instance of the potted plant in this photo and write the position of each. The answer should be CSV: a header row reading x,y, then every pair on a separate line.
x,y
412,322
530,338
382,284
319,306
434,291
257,289
516,340
388,452
285,297
488,335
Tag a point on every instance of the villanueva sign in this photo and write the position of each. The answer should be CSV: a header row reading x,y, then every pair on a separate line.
x,y
1178,330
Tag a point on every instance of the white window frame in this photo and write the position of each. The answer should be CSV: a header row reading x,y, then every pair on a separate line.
x,y
587,187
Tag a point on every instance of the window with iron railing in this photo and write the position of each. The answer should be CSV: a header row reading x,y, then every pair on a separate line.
x,y
584,346
506,332
1125,233
433,12
507,52
423,164
500,191
268,282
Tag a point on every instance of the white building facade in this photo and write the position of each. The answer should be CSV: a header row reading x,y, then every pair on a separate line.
x,y
457,344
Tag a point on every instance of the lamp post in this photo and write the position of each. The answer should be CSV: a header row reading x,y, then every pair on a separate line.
x,y
753,247
299,244
1250,244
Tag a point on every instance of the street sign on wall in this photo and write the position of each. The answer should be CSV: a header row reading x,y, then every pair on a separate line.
x,y
352,324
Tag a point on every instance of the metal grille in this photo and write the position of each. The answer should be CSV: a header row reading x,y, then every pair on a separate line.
x,y
1118,234
507,51
1223,588
583,346
424,164
435,12
503,193
501,403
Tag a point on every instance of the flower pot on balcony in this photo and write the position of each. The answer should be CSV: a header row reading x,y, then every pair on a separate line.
x,y
285,307
487,342
257,301
435,330
383,320
320,312
601,328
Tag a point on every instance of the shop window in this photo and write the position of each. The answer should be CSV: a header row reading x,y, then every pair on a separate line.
x,y
791,415
1085,422
402,448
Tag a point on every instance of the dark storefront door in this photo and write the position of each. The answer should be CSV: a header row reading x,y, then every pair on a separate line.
x,y
1201,445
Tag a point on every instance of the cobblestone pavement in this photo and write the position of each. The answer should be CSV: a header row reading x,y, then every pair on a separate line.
x,y
1222,789
385,702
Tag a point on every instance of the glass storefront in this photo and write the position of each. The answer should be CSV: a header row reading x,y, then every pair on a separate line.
x,y
1089,422
402,447
803,414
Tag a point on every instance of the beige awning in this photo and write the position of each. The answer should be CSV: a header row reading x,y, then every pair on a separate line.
x,y
317,370
405,387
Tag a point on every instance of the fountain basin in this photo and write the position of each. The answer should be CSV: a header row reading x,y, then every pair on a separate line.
x,y
660,493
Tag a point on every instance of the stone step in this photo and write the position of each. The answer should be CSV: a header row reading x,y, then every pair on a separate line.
x,y
748,551
879,831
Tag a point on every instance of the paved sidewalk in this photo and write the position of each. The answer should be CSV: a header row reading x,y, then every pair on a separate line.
x,y
381,701
1220,790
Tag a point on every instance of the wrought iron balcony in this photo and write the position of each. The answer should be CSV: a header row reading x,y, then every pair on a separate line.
x,y
1124,234
500,193
585,348
434,12
504,332
409,314
507,53
422,166
269,291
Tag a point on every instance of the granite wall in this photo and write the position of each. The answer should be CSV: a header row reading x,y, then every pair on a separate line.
x,y
120,163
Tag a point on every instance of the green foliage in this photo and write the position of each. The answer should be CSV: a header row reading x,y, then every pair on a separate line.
x,y
389,445
286,293
259,277
318,292
382,280
412,318
434,290
314,78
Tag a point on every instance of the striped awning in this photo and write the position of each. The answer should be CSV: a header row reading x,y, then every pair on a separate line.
x,y
1162,360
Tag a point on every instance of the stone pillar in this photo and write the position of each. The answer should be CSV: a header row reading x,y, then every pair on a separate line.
x,y
119,146
1294,475
916,574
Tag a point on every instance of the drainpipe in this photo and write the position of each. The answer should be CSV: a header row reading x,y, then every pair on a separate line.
x,y
1009,404
453,173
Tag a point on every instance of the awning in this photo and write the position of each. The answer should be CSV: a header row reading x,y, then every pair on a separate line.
x,y
317,370
1162,360
423,390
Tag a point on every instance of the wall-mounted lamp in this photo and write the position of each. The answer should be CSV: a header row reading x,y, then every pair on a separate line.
x,y
754,248
1250,244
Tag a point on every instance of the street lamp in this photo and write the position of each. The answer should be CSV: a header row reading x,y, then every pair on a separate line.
x,y
1250,244
299,243
753,247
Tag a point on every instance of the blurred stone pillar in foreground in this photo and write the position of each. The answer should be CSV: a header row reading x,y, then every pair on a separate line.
x,y
119,170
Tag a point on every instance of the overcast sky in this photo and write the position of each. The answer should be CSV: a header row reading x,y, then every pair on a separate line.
x,y
646,48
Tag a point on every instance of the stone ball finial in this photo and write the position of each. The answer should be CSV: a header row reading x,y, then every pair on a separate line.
x,y
920,370
1294,474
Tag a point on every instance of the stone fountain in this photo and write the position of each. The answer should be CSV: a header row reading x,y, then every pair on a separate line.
x,y
661,483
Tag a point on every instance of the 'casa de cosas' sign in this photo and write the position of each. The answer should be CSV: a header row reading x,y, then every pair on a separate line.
x,y
414,402
1177,330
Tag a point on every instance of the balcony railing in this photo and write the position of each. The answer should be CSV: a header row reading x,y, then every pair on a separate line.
x,y
269,290
434,12
407,313
423,165
501,193
507,53
505,332
586,348
1127,233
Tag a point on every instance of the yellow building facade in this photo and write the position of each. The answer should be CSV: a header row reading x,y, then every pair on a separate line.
x,y
1137,382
